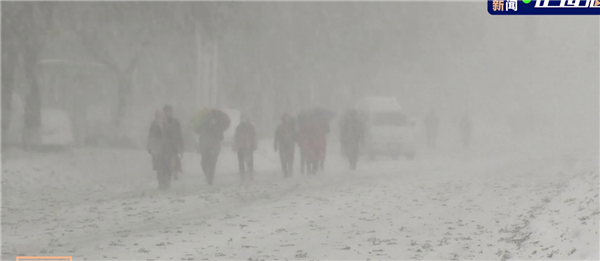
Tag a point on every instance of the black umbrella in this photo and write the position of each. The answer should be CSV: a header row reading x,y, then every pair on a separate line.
x,y
222,119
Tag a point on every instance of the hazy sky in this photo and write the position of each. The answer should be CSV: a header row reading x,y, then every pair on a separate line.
x,y
452,56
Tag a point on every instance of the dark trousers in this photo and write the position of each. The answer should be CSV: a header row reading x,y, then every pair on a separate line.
x,y
351,151
165,163
246,163
312,166
286,155
210,155
303,161
308,163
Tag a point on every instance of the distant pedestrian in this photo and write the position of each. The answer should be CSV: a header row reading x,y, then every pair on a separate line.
x,y
245,144
172,140
285,143
154,136
302,140
352,133
165,144
210,125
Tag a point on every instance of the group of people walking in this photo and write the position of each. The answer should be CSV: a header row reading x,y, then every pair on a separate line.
x,y
308,130
165,142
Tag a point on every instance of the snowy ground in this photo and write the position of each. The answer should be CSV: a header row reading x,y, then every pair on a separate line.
x,y
486,204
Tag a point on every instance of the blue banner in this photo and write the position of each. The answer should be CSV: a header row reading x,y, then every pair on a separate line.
x,y
544,7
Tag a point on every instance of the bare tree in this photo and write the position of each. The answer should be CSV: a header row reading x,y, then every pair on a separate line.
x,y
10,56
115,35
26,27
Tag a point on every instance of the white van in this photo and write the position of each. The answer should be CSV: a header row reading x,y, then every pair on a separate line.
x,y
388,129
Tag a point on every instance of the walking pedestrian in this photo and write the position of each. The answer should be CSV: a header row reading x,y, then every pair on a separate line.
x,y
245,144
352,132
285,143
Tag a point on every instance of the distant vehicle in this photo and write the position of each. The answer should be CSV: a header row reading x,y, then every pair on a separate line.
x,y
388,129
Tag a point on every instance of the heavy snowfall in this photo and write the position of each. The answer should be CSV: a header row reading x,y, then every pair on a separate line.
x,y
284,130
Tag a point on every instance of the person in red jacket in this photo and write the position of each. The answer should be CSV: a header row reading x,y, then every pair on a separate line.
x,y
245,144
315,143
313,127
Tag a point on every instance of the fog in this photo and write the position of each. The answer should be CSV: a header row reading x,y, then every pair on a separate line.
x,y
81,82
268,58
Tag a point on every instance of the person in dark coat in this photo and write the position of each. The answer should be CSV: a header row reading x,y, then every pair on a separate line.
x,y
171,140
465,127
302,141
432,123
285,143
352,132
210,137
245,144
154,137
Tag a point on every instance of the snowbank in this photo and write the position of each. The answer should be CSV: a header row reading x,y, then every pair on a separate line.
x,y
567,226
485,204
83,168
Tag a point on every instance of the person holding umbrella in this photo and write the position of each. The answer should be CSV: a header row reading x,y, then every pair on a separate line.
x,y
209,125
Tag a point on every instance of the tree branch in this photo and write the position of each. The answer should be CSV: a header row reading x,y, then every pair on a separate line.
x,y
136,57
99,50
103,59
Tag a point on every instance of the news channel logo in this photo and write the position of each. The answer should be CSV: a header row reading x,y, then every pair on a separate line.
x,y
544,7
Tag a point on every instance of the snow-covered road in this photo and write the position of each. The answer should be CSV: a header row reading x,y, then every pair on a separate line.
x,y
99,204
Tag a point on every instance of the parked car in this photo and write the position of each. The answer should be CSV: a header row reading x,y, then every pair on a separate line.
x,y
388,129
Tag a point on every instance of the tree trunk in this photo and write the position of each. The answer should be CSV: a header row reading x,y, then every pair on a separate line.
x,y
9,63
78,111
33,102
207,75
198,70
124,93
